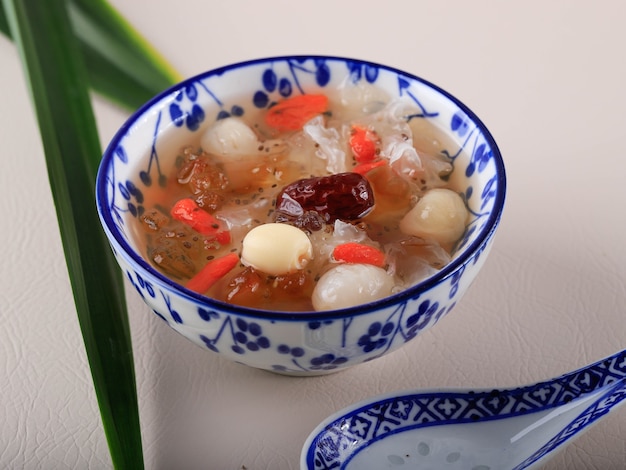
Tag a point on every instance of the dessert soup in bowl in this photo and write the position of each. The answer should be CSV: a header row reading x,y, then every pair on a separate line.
x,y
286,213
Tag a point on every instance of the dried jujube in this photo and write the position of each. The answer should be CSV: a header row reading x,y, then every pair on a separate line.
x,y
343,196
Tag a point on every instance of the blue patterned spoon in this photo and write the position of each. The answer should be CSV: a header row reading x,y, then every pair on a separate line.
x,y
510,429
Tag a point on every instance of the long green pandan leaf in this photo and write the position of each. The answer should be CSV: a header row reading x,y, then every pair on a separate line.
x,y
56,74
121,64
4,24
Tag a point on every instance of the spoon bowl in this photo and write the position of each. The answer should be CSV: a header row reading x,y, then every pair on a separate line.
x,y
515,428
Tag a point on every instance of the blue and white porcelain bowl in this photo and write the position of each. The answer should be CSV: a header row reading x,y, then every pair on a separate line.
x,y
306,343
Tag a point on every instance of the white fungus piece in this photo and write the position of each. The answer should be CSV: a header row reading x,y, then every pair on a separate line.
x,y
439,215
361,98
276,249
347,285
328,142
396,135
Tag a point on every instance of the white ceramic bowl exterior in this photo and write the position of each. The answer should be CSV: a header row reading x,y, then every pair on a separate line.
x,y
306,343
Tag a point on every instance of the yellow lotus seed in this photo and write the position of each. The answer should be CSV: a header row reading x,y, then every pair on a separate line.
x,y
276,249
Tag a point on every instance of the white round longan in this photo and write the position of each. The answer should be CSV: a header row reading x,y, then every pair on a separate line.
x,y
230,137
439,215
347,285
276,249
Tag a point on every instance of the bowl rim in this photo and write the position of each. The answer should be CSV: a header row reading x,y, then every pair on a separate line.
x,y
412,292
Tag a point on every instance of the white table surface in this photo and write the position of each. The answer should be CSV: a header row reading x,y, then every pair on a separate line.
x,y
547,77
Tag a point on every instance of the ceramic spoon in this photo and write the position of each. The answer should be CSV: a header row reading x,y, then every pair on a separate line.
x,y
468,429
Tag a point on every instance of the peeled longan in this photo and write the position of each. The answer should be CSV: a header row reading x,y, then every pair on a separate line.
x,y
230,137
439,215
238,149
347,285
276,249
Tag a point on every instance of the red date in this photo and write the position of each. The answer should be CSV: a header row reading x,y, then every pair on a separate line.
x,y
344,196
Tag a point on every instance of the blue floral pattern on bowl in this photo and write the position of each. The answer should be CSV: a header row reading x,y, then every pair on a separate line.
x,y
311,342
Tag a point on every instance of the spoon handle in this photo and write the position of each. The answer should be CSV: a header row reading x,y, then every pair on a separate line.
x,y
608,398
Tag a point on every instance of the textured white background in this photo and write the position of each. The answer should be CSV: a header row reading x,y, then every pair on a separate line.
x,y
546,77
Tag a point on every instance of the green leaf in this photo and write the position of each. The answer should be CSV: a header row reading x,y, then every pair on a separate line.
x,y
100,26
4,23
115,84
121,64
56,74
